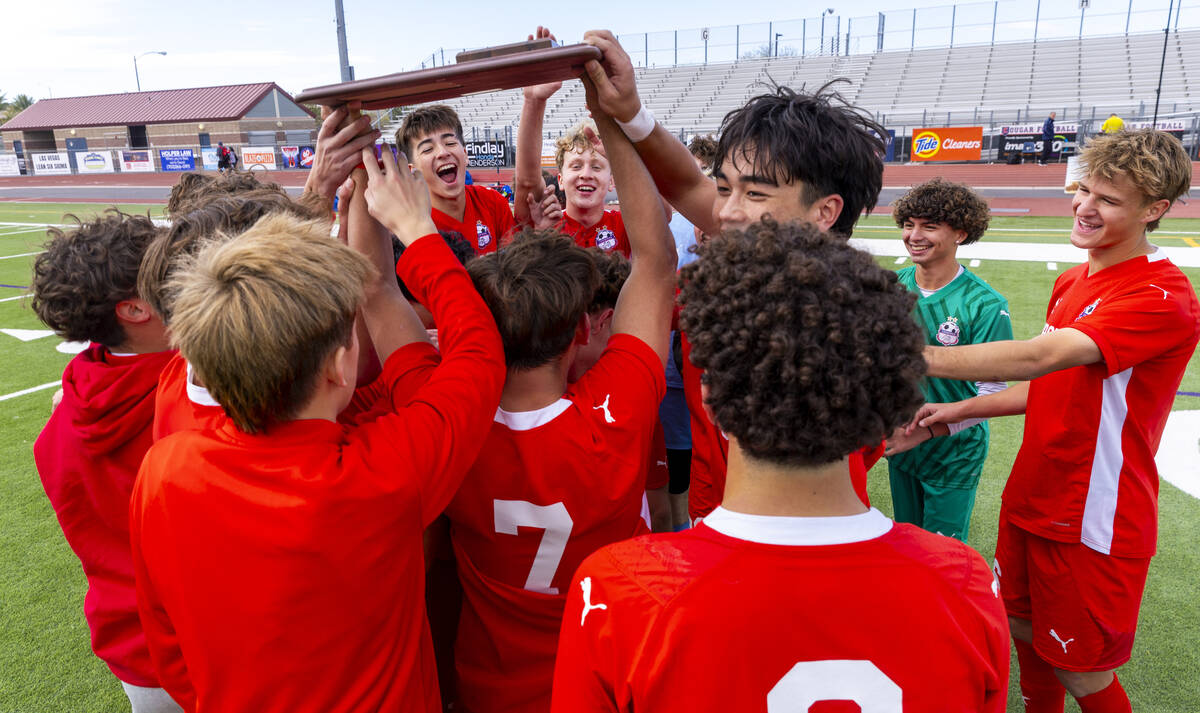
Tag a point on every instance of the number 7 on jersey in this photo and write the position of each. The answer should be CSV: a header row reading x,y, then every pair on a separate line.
x,y
554,519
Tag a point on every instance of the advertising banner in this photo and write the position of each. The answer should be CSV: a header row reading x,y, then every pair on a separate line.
x,y
291,156
177,159
94,161
485,154
889,154
1175,127
950,143
9,166
1027,138
51,164
136,162
306,156
258,158
211,160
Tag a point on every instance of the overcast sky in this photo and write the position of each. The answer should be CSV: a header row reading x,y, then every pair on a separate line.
x,y
79,47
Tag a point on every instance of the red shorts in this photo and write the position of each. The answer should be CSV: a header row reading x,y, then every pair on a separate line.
x,y
1083,605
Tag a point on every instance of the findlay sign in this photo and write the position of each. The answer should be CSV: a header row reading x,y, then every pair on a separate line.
x,y
485,154
951,143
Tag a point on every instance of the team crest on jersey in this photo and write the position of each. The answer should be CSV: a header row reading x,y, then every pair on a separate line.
x,y
948,331
1087,310
483,234
606,239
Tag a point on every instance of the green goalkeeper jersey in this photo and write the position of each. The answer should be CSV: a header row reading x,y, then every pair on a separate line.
x,y
965,311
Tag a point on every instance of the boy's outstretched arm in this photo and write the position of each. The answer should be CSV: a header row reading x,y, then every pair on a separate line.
x,y
530,204
390,319
646,301
675,173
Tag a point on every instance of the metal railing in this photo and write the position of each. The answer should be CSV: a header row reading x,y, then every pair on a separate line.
x,y
976,23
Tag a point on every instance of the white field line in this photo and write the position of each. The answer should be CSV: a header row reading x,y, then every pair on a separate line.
x,y
10,257
1020,252
1157,233
1051,266
21,231
18,297
34,389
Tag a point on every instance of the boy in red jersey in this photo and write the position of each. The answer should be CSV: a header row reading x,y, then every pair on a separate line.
x,y
181,402
792,592
789,155
563,469
89,452
584,174
1078,523
433,138
279,559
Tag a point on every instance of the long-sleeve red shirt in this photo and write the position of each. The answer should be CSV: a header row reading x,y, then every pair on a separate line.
x,y
88,456
283,571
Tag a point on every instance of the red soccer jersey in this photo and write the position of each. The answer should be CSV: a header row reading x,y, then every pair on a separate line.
x,y
608,234
710,449
283,571
181,405
753,613
550,487
88,456
1096,428
487,219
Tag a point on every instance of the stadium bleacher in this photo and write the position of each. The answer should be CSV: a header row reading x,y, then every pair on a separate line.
x,y
1007,82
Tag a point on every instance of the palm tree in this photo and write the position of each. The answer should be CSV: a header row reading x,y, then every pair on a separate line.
x,y
9,109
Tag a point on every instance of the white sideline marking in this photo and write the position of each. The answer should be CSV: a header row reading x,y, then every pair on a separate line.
x,y
22,392
20,232
1179,452
71,347
976,262
1051,266
27,335
9,257
1021,252
18,297
900,260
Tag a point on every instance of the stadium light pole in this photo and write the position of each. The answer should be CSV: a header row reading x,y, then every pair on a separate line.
x,y
1163,65
777,36
828,11
343,51
137,78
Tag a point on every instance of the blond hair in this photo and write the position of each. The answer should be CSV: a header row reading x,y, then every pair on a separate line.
x,y
575,139
1155,162
258,315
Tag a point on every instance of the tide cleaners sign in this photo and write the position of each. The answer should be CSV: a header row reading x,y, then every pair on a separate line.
x,y
958,143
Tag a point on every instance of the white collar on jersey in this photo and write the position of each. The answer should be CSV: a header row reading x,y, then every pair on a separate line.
x,y
1158,254
772,530
529,420
198,394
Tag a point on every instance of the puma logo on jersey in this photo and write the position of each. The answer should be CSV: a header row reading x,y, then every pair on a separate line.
x,y
586,585
1054,635
607,415
1159,288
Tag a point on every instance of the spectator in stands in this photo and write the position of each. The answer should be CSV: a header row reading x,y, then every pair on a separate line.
x,y
1112,124
1047,138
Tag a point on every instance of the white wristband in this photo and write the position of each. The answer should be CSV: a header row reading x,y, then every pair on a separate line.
x,y
639,127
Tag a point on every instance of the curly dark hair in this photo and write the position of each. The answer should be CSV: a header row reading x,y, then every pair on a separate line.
x,y
537,289
704,148
454,240
85,271
809,348
614,270
818,139
195,189
225,214
952,204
